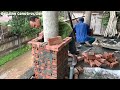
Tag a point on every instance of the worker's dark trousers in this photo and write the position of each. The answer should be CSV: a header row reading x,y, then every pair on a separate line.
x,y
91,40
72,46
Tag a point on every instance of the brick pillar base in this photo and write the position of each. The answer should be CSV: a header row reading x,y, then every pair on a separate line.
x,y
50,62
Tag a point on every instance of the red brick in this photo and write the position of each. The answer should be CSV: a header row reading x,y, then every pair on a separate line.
x,y
37,44
92,64
97,63
54,63
76,71
86,61
85,55
33,46
55,40
57,47
76,76
46,65
106,55
107,63
37,66
36,56
36,62
111,55
80,69
114,64
111,60
55,71
33,52
36,76
91,55
64,43
36,50
102,60
98,56
36,73
53,48
67,40
60,46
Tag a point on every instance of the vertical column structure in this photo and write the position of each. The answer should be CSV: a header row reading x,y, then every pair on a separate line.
x,y
88,17
50,24
50,62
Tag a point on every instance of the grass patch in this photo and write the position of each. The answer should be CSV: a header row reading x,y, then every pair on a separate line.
x,y
14,54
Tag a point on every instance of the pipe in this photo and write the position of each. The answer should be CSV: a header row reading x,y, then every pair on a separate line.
x,y
71,72
74,62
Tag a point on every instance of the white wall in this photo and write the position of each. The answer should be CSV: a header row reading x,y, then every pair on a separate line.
x,y
96,23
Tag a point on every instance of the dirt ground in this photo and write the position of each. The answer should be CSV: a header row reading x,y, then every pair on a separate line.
x,y
17,67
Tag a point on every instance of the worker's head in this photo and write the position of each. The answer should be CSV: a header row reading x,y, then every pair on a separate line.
x,y
34,22
81,19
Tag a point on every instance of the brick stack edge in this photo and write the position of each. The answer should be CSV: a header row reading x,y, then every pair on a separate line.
x,y
99,60
50,62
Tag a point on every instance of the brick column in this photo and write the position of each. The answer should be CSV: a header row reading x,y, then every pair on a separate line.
x,y
50,62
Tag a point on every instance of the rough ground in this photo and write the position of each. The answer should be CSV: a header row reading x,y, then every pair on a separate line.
x,y
97,49
17,67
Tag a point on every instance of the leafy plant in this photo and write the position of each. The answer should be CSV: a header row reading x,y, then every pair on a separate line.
x,y
105,19
14,54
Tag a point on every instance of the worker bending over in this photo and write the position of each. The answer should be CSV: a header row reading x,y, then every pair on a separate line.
x,y
83,32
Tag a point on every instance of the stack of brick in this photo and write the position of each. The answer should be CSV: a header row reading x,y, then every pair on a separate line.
x,y
99,60
50,59
77,71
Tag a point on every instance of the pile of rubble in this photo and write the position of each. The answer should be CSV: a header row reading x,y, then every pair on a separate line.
x,y
99,60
